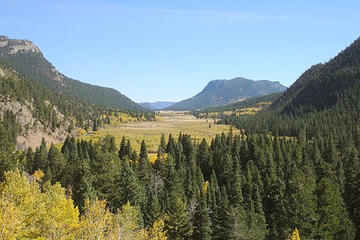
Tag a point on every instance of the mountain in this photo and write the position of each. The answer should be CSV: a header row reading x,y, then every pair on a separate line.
x,y
222,92
325,85
323,101
27,59
156,105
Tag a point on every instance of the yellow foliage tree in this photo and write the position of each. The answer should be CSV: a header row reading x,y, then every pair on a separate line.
x,y
10,221
38,175
158,232
62,219
127,224
28,213
96,223
295,235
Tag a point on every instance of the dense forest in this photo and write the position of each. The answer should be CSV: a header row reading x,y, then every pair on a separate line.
x,y
236,187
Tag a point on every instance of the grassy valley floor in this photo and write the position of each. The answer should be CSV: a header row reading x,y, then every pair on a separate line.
x,y
168,122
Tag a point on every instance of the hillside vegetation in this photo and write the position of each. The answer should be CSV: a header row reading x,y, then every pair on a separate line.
x,y
249,106
33,111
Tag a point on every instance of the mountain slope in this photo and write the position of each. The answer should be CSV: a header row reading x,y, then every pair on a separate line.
x,y
222,92
324,85
324,100
35,112
27,59
156,105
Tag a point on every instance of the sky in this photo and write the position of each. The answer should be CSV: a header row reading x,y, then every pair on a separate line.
x,y
169,50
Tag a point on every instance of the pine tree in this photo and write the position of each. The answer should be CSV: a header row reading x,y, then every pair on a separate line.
x,y
170,147
7,149
352,186
56,165
126,187
201,221
177,222
203,159
123,150
162,143
302,201
236,197
275,210
333,221
143,164
224,222
153,211
40,157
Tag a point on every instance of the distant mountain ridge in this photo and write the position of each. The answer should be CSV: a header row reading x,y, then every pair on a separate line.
x,y
159,105
26,58
223,92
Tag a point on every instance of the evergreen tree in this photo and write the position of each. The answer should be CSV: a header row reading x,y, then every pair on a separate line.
x,y
153,211
7,149
333,221
40,157
127,188
201,221
170,147
177,222
302,201
224,222
123,150
143,164
56,165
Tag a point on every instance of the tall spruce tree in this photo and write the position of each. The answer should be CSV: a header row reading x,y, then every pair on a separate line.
x,y
177,222
201,220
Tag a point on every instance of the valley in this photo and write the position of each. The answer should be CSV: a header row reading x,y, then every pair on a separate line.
x,y
167,122
276,158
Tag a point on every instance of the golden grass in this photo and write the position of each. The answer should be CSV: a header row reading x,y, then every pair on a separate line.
x,y
167,123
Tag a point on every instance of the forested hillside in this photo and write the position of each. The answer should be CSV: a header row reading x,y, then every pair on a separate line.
x,y
322,109
27,59
248,106
32,111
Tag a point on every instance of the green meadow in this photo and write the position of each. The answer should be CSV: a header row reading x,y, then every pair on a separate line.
x,y
167,122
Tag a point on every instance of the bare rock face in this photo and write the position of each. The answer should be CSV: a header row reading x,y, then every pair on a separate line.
x,y
14,46
33,130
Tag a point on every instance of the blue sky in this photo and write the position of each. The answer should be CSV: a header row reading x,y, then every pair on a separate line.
x,y
169,50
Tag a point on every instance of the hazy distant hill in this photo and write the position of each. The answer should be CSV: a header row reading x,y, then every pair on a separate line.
x,y
27,59
156,105
248,103
222,92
